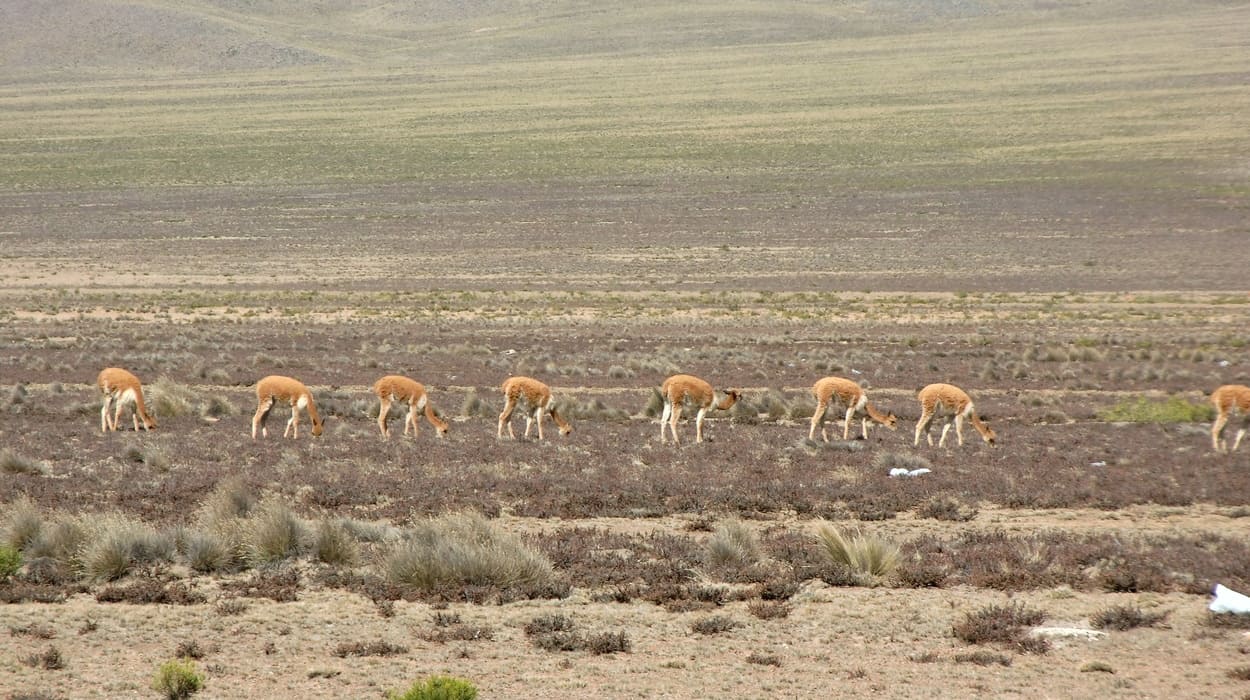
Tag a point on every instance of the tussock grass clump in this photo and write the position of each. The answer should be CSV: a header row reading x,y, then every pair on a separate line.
x,y
1174,410
178,679
334,545
273,533
22,525
866,557
437,688
208,553
554,632
167,398
1125,617
13,463
464,549
732,544
116,543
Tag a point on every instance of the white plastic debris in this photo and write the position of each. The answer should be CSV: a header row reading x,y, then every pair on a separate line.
x,y
1098,464
898,471
1227,600
901,471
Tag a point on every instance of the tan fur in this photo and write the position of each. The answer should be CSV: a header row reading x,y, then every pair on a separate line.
x,y
851,396
950,400
538,401
681,389
1230,400
120,389
274,388
396,388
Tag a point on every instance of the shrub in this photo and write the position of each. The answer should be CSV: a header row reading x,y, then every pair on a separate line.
x,y
1000,623
1174,410
733,544
608,643
464,549
1241,673
279,584
714,624
1125,617
885,461
189,649
769,609
10,562
947,509
437,688
763,659
178,679
983,658
13,463
149,591
376,648
865,556
49,660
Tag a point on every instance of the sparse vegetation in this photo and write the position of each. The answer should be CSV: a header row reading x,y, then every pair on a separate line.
x,y
1173,410
1125,617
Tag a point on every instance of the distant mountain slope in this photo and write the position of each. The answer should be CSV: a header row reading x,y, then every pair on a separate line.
x,y
86,36
41,37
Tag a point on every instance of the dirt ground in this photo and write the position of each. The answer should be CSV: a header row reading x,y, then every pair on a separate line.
x,y
1084,301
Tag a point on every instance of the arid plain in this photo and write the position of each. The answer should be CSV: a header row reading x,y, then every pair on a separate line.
x,y
1045,204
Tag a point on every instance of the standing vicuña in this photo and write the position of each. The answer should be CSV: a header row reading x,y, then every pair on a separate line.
x,y
849,394
274,388
538,400
1230,400
395,388
681,388
953,402
121,388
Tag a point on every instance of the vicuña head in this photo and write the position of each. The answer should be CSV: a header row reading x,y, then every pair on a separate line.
x,y
274,389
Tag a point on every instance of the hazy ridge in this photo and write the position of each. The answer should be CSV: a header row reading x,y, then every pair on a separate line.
x,y
119,37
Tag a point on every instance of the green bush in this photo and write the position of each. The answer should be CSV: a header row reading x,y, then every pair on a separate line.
x,y
437,688
178,679
10,561
1173,410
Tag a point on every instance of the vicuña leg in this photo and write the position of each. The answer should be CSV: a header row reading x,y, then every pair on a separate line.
x,y
262,415
384,410
698,425
506,417
664,417
292,426
818,419
922,428
846,424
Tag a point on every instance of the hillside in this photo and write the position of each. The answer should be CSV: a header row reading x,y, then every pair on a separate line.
x,y
119,37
